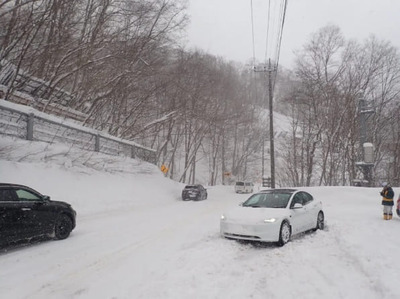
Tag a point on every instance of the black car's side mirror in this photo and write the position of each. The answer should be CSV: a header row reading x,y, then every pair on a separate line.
x,y
46,198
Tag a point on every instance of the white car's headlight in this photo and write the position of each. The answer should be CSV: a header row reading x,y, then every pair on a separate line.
x,y
270,220
223,217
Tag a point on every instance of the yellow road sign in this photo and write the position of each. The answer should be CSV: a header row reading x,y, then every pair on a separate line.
x,y
164,168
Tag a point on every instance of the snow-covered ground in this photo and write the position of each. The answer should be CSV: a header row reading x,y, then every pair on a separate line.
x,y
135,238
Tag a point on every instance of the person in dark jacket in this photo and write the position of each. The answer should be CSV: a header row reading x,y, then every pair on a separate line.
x,y
387,201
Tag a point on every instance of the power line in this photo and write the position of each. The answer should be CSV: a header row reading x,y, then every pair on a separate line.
x,y
252,30
279,44
269,16
282,18
272,71
275,17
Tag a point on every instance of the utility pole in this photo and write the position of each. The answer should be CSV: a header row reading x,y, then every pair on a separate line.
x,y
271,125
271,122
262,156
366,163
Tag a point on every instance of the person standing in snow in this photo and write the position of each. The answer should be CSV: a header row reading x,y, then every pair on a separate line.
x,y
387,201
398,207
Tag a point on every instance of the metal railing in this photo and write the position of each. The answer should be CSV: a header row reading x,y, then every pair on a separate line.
x,y
27,123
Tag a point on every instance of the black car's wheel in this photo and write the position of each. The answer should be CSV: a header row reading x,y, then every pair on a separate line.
x,y
63,227
284,234
320,221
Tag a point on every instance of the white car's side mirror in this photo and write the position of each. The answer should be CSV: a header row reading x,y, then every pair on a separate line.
x,y
297,206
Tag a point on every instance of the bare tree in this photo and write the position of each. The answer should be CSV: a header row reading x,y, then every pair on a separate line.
x,y
333,74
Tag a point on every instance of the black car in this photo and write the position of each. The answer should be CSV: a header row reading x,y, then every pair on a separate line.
x,y
26,214
194,192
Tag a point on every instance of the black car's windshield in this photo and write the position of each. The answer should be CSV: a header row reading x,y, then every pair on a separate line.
x,y
268,200
195,188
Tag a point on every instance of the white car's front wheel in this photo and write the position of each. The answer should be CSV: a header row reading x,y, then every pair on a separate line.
x,y
284,234
320,221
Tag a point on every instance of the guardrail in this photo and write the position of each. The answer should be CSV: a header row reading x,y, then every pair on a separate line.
x,y
27,123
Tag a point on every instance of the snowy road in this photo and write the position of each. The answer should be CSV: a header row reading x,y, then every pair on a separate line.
x,y
136,239
133,248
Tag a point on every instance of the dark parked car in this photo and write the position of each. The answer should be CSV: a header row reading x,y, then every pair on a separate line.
x,y
194,192
25,214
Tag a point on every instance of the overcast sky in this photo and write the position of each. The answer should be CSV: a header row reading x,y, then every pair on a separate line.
x,y
224,27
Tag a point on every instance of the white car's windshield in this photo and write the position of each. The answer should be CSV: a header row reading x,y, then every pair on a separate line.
x,y
268,200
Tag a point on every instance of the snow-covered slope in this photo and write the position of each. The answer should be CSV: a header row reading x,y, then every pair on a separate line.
x,y
135,238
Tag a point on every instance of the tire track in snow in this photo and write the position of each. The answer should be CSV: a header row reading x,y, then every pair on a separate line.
x,y
353,271
94,266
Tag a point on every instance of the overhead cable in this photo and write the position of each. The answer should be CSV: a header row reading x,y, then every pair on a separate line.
x,y
252,30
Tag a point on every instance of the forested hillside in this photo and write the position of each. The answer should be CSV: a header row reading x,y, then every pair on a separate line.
x,y
125,67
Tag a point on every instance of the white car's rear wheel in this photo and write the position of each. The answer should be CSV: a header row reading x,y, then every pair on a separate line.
x,y
284,234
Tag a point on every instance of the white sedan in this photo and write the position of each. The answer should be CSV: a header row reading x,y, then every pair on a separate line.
x,y
273,216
